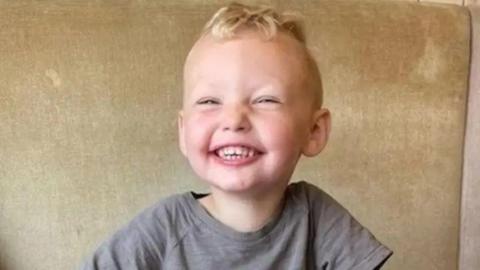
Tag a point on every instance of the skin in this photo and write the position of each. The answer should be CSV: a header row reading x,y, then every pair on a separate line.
x,y
248,92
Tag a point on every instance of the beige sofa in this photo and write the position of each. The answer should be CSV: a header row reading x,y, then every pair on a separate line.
x,y
89,92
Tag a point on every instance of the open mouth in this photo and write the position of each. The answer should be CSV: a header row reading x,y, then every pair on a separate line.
x,y
236,153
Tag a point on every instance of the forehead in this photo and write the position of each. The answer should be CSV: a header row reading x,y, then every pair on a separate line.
x,y
248,59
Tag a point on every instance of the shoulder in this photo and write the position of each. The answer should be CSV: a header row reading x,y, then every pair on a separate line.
x,y
305,191
313,198
321,206
143,243
165,221
340,239
172,210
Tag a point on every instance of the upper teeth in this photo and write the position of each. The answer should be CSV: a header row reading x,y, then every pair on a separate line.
x,y
233,152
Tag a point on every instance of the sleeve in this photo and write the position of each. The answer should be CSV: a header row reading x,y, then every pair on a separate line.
x,y
137,246
341,242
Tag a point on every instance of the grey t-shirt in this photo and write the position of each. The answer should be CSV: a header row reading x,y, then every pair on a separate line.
x,y
312,231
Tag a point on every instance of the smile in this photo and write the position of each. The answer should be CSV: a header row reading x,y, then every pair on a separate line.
x,y
235,152
236,155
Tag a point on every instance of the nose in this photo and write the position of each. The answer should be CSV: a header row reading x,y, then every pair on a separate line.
x,y
236,118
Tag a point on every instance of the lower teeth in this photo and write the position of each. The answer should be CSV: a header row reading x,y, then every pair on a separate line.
x,y
235,157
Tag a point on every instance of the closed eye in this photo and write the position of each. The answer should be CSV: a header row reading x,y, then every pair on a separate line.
x,y
207,101
267,99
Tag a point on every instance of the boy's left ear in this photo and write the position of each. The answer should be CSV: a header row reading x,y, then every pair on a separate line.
x,y
319,131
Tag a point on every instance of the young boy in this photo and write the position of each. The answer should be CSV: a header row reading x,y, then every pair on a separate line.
x,y
251,108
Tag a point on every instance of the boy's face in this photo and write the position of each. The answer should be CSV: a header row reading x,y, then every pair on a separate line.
x,y
247,112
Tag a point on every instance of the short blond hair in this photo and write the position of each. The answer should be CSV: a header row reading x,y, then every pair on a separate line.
x,y
228,20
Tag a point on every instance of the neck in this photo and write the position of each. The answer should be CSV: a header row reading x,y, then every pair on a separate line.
x,y
244,214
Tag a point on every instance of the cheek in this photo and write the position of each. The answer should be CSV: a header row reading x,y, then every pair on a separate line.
x,y
286,132
198,131
281,133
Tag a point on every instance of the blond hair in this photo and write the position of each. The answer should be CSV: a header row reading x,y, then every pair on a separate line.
x,y
228,20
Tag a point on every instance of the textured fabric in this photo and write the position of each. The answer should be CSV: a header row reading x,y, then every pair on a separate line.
x,y
312,231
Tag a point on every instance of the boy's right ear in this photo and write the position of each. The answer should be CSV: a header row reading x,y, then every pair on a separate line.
x,y
181,133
